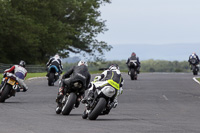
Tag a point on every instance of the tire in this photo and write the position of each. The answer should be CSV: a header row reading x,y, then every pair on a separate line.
x,y
98,109
71,100
5,92
132,74
84,115
51,79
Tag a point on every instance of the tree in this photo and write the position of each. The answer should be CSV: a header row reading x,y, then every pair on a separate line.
x,y
34,30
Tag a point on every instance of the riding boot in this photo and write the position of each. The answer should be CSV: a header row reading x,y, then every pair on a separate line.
x,y
89,97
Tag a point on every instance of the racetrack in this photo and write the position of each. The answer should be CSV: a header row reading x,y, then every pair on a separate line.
x,y
155,103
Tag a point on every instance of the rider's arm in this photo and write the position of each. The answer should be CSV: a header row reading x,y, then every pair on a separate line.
x,y
138,60
49,62
88,81
68,73
128,61
10,70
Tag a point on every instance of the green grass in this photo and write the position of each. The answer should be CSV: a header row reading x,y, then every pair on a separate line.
x,y
198,79
30,75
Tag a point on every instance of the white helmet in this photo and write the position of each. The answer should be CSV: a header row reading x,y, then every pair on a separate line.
x,y
57,56
82,63
113,67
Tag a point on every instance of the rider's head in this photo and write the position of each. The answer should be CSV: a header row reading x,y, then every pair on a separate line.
x,y
22,63
113,67
133,54
82,63
57,56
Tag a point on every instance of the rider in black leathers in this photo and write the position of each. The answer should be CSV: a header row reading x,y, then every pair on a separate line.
x,y
133,57
76,73
193,56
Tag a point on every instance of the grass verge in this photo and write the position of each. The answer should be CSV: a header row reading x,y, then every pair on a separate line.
x,y
198,79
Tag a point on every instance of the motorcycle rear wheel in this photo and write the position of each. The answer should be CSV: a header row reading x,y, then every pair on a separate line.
x,y
84,115
98,109
51,79
69,104
5,92
132,74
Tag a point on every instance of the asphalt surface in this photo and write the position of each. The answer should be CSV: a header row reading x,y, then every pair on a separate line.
x,y
155,103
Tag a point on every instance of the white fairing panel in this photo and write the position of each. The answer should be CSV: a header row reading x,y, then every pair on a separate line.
x,y
108,91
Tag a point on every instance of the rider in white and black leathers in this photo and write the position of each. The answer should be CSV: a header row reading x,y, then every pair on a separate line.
x,y
76,73
113,73
55,61
133,57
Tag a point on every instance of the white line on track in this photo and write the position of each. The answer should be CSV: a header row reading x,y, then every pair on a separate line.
x,y
195,79
36,78
165,98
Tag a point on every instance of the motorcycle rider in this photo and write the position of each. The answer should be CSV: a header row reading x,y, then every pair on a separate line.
x,y
55,61
133,57
71,76
112,73
193,56
20,72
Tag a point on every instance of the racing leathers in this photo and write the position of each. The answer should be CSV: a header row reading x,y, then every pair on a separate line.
x,y
20,72
55,61
137,60
193,56
76,73
106,78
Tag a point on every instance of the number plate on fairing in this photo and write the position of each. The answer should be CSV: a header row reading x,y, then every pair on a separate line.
x,y
11,81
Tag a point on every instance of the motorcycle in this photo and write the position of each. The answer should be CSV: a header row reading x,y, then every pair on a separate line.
x,y
194,66
53,75
9,87
133,69
101,103
71,98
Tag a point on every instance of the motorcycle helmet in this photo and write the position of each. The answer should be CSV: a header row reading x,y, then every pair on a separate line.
x,y
82,63
22,63
133,54
113,67
57,56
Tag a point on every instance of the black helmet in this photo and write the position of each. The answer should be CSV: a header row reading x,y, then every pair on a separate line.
x,y
22,63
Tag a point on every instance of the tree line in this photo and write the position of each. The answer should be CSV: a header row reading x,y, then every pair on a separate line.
x,y
35,30
146,66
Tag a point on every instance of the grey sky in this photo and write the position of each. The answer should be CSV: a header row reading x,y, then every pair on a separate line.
x,y
151,21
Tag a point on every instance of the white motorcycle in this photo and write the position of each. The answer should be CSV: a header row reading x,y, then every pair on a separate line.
x,y
102,102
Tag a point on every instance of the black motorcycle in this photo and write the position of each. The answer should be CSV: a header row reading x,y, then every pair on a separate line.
x,y
53,75
194,66
101,104
133,69
9,87
71,98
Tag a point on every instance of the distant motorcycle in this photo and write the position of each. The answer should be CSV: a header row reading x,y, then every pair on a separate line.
x,y
133,69
9,88
53,75
71,98
194,66
101,103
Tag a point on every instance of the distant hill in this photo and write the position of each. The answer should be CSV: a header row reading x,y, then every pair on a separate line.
x,y
179,52
73,59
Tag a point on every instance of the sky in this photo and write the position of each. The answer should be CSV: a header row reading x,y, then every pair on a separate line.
x,y
153,29
151,22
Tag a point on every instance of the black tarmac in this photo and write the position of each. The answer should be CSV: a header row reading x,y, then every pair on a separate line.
x,y
155,103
